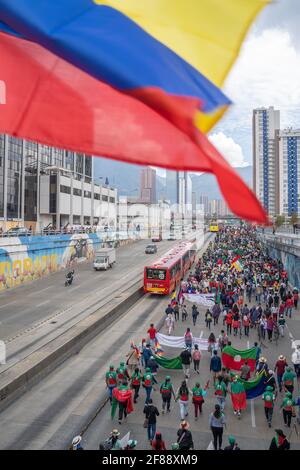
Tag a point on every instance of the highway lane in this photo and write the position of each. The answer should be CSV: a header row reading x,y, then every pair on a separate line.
x,y
22,307
50,413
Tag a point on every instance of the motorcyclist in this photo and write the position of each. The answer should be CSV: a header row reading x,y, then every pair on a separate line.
x,y
70,276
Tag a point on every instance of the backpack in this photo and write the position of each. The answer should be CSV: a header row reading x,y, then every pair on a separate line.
x,y
196,355
106,445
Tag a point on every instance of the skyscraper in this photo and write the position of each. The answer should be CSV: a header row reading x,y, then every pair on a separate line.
x,y
148,185
265,123
289,171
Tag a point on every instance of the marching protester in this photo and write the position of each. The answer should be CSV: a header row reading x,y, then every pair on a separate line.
x,y
269,400
158,443
279,442
215,365
185,438
182,396
198,398
186,359
233,445
147,382
221,391
150,412
111,380
122,373
167,390
217,423
196,356
136,380
280,367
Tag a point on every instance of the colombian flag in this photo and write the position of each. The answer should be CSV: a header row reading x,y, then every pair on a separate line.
x,y
132,80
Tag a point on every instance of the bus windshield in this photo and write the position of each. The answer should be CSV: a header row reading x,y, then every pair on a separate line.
x,y
156,274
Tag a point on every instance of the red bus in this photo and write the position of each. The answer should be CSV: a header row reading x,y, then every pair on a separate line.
x,y
165,275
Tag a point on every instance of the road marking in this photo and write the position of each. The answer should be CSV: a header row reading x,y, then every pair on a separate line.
x,y
10,303
42,290
210,446
77,287
248,344
43,303
201,334
252,414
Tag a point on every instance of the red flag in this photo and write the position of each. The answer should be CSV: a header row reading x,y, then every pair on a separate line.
x,y
57,104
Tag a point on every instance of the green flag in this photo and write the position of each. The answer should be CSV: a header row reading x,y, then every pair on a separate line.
x,y
169,363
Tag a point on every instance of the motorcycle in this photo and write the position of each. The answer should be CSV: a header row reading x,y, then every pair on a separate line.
x,y
69,278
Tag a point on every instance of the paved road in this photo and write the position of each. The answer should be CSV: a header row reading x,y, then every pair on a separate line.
x,y
57,408
52,411
29,304
251,431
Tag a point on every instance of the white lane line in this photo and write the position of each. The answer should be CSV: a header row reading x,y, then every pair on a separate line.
x,y
210,446
42,290
43,303
201,334
252,414
77,287
10,303
248,344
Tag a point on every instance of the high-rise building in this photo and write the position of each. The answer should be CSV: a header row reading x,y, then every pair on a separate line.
x,y
42,185
289,171
179,188
203,200
265,124
148,186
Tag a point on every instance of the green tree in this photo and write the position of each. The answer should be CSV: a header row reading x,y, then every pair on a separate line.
x,y
294,219
280,219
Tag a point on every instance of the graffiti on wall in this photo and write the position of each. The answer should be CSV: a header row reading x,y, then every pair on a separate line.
x,y
24,259
291,262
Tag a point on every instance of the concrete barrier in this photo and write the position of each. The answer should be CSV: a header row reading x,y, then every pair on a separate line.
x,y
20,377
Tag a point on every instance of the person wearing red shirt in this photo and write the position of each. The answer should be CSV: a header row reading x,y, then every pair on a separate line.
x,y
229,322
289,306
158,443
152,334
280,366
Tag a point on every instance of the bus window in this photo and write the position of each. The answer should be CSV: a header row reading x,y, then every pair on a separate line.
x,y
159,274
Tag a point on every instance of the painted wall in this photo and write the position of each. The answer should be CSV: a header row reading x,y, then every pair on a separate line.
x,y
291,263
24,259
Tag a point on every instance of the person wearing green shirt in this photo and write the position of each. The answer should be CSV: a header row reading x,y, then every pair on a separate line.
x,y
167,390
221,392
122,373
269,399
111,381
136,379
288,380
287,407
198,398
148,381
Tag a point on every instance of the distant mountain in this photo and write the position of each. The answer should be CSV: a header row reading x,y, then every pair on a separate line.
x,y
207,183
126,178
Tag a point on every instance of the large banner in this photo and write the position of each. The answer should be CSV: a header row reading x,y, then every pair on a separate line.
x,y
207,300
178,341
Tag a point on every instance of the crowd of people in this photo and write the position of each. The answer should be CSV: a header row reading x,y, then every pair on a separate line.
x,y
251,294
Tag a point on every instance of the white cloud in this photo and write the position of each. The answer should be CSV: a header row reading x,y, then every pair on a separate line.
x,y
229,149
267,72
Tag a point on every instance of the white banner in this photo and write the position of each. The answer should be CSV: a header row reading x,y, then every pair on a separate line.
x,y
178,341
201,299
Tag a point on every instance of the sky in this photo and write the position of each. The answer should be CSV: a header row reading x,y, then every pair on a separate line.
x,y
266,73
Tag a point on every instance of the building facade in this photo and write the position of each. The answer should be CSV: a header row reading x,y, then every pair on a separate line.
x,y
288,142
265,125
41,185
148,186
